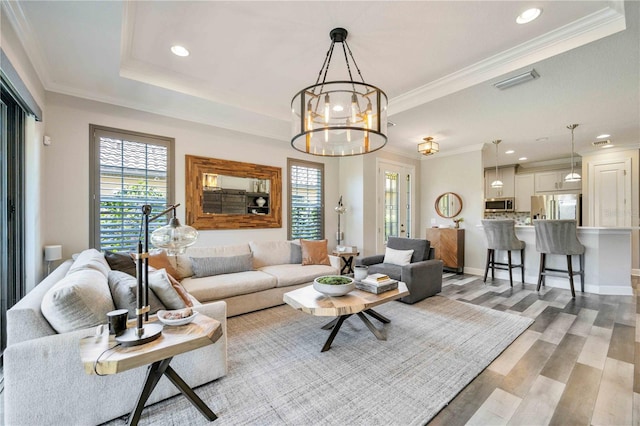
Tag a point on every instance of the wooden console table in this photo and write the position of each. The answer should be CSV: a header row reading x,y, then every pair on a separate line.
x,y
448,244
101,355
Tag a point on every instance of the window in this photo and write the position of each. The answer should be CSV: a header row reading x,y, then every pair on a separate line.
x,y
306,199
128,171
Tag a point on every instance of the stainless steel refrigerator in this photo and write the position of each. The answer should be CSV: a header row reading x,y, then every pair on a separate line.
x,y
557,206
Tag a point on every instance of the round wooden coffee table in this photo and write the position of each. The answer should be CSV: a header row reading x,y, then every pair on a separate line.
x,y
358,302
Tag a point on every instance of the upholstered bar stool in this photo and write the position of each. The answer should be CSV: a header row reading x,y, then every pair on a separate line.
x,y
501,235
559,237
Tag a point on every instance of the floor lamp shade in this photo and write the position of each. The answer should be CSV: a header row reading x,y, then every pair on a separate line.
x,y
53,252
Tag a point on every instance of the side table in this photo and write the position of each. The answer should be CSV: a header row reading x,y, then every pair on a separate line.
x,y
102,355
347,260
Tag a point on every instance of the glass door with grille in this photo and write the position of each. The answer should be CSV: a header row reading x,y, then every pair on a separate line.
x,y
395,201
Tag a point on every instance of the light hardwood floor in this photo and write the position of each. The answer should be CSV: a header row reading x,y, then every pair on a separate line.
x,y
578,363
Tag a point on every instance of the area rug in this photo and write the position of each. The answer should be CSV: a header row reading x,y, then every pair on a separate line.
x,y
278,376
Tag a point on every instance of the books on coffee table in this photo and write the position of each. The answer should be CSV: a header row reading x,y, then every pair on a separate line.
x,y
377,283
376,288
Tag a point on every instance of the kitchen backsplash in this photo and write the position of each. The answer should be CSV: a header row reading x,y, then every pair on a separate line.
x,y
521,218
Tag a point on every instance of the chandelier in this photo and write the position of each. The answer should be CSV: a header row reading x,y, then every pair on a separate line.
x,y
339,118
497,184
573,176
428,147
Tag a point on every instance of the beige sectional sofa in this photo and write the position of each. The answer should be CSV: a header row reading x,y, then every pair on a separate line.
x,y
44,380
276,269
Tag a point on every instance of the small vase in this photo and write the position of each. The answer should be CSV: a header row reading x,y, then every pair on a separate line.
x,y
360,272
457,225
260,202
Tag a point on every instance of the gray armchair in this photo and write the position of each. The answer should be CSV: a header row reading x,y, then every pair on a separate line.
x,y
423,275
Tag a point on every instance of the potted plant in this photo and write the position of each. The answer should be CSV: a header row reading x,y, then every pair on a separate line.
x,y
457,221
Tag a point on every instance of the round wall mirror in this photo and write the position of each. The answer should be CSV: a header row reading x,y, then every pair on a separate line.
x,y
449,205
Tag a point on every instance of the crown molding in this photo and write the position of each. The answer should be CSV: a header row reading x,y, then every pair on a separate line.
x,y
592,27
14,13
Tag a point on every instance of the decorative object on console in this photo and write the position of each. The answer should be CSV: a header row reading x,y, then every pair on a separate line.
x,y
339,118
457,222
428,147
340,209
172,237
573,176
497,183
51,254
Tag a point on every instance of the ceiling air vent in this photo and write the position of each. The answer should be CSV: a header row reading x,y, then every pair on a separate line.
x,y
601,144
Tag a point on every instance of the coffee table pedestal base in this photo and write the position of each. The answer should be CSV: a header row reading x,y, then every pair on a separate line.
x,y
336,323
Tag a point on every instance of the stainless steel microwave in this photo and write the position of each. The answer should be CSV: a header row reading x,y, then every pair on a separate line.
x,y
499,204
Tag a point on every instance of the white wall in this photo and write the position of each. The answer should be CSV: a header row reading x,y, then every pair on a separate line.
x,y
34,197
464,175
67,167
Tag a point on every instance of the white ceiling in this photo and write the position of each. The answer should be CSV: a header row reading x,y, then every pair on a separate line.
x,y
436,60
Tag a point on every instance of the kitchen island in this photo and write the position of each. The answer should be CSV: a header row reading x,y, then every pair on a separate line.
x,y
607,261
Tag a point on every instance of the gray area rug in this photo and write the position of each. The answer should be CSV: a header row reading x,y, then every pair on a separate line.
x,y
278,376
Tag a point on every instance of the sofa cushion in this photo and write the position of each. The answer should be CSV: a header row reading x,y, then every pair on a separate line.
x,y
397,257
314,252
266,253
124,289
394,271
79,300
222,286
420,247
161,285
208,266
120,262
289,274
90,259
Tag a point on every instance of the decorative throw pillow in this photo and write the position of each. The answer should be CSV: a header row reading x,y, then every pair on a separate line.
x,y
120,262
296,252
124,290
208,266
79,300
314,252
397,257
90,259
184,295
161,286
160,260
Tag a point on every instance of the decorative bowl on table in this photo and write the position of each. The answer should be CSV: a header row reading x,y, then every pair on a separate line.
x,y
177,317
334,285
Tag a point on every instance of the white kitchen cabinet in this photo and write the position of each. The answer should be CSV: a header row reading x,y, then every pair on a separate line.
x,y
553,181
524,189
506,175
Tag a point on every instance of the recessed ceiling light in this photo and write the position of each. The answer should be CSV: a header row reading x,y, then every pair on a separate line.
x,y
522,158
390,123
509,152
607,146
604,135
179,50
542,139
338,108
528,15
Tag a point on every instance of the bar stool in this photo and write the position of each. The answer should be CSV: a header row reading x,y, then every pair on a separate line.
x,y
559,237
501,235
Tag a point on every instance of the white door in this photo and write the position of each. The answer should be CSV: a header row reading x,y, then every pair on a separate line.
x,y
395,201
610,193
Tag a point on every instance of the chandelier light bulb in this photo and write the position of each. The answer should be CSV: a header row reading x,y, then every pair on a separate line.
x,y
327,108
354,108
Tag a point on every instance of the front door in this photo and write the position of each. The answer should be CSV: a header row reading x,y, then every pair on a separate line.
x,y
395,201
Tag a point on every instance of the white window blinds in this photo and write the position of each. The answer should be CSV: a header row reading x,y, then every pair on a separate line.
x,y
306,200
130,171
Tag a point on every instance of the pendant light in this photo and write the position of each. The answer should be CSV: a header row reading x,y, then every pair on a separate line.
x,y
497,184
573,176
339,118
